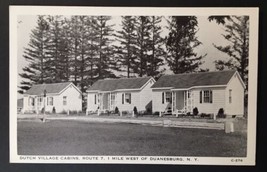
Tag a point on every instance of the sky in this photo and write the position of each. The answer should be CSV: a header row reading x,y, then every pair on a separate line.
x,y
209,33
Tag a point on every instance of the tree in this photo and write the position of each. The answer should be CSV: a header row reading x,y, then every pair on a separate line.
x,y
103,33
155,60
37,56
181,43
219,19
237,34
143,27
56,49
127,39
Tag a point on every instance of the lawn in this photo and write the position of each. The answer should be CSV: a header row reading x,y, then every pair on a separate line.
x,y
84,138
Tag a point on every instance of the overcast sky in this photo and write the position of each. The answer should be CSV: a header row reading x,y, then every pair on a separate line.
x,y
209,33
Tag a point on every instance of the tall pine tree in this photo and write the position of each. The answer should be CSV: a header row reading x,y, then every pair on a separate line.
x,y
181,42
237,34
155,59
127,38
103,33
56,49
37,56
143,27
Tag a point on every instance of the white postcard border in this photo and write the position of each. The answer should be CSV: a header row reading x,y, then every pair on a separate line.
x,y
118,11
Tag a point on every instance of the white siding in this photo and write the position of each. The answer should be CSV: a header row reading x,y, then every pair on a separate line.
x,y
26,104
91,106
135,97
157,104
74,100
218,100
138,98
237,105
146,95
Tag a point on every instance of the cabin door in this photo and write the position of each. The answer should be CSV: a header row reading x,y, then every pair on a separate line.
x,y
112,101
180,99
106,102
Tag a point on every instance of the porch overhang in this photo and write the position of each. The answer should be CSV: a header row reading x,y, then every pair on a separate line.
x,y
180,89
162,88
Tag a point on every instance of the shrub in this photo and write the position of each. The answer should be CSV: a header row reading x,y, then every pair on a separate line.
x,y
156,114
116,110
221,113
148,111
64,112
135,110
54,109
195,111
124,112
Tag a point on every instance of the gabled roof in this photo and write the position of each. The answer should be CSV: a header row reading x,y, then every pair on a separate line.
x,y
187,80
53,88
119,84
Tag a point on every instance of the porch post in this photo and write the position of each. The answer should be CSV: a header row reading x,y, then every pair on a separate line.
x,y
185,100
172,101
110,101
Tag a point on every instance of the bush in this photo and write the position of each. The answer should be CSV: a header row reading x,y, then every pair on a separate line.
x,y
125,112
195,111
221,113
135,110
156,114
64,112
148,111
54,109
117,110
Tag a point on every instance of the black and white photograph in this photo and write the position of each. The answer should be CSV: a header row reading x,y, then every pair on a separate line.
x,y
130,85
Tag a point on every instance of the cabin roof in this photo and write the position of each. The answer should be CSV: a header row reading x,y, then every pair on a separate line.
x,y
187,80
53,88
117,84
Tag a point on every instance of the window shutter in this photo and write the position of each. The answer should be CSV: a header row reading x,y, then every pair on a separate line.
x,y
95,99
130,98
200,97
122,100
210,96
162,97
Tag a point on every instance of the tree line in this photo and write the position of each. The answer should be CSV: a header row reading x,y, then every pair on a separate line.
x,y
83,49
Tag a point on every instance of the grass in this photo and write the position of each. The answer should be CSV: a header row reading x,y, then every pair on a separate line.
x,y
84,138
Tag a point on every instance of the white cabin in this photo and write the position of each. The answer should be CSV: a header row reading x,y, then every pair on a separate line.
x,y
124,93
206,91
62,97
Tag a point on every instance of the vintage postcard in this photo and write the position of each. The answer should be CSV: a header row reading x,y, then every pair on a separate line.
x,y
133,85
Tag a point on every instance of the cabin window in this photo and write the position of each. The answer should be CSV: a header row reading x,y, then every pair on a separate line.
x,y
162,97
112,98
168,96
31,101
64,100
230,96
40,100
205,96
95,99
122,100
128,98
50,101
